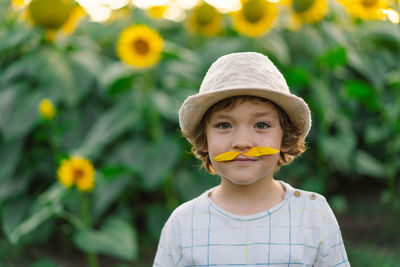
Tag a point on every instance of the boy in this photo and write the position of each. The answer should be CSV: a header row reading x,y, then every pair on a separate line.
x,y
244,124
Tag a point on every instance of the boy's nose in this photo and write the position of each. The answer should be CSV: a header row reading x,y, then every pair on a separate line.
x,y
242,141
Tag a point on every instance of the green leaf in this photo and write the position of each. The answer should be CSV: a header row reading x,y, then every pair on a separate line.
x,y
339,203
363,93
44,263
18,110
107,193
297,76
324,101
192,183
13,213
10,153
117,77
13,187
115,238
159,162
156,216
16,36
47,205
108,127
334,58
375,134
56,72
166,105
30,224
277,47
339,149
152,161
368,165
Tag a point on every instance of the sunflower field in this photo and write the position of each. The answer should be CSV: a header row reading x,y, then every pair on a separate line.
x,y
92,161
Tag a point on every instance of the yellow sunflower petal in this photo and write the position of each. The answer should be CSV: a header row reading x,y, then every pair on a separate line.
x,y
79,171
64,173
227,156
309,10
260,151
139,46
255,18
156,12
47,109
205,19
365,9
77,13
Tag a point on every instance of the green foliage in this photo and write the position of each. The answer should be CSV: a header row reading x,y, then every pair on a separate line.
x,y
116,238
125,121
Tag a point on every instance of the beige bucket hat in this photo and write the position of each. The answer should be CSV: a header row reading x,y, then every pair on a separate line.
x,y
246,73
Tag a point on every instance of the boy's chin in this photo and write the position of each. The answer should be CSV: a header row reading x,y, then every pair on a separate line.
x,y
242,181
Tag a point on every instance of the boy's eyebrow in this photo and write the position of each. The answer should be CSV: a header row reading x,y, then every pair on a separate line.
x,y
261,114
222,116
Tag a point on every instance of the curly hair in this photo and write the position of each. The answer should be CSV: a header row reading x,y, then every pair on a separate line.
x,y
290,139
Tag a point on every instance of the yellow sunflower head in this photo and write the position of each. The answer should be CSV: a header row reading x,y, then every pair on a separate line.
x,y
47,109
365,9
205,19
139,46
77,171
255,17
50,14
309,10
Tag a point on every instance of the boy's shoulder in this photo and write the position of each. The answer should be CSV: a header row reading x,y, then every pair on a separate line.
x,y
306,198
311,203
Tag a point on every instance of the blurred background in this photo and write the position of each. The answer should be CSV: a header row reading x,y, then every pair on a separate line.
x,y
92,160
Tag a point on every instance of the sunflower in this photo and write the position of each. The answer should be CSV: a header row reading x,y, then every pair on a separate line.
x,y
50,14
255,17
46,109
77,171
365,9
308,10
205,19
139,46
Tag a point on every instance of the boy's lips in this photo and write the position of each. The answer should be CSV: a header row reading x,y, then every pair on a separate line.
x,y
245,159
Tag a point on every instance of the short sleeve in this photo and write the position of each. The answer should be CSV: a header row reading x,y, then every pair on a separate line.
x,y
169,252
331,251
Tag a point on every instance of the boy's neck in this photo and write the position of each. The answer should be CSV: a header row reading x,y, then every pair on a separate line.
x,y
248,199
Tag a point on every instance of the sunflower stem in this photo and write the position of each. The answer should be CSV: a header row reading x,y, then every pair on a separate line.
x,y
92,260
71,218
85,214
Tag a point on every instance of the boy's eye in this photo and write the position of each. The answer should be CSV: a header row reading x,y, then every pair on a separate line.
x,y
261,125
223,125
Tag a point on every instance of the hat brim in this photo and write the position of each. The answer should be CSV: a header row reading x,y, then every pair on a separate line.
x,y
195,106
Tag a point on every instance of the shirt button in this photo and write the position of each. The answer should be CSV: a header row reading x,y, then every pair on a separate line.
x,y
296,193
313,196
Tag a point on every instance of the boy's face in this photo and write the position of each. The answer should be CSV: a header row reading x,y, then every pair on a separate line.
x,y
246,125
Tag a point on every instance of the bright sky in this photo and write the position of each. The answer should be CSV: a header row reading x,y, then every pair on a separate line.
x,y
100,10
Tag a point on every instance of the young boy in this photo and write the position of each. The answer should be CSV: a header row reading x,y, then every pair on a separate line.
x,y
244,124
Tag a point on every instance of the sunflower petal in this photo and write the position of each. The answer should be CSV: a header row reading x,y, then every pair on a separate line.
x,y
260,151
227,156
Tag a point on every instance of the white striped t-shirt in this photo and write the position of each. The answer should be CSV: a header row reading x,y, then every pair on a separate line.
x,y
299,231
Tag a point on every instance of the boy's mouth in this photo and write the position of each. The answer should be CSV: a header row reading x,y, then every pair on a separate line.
x,y
249,155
